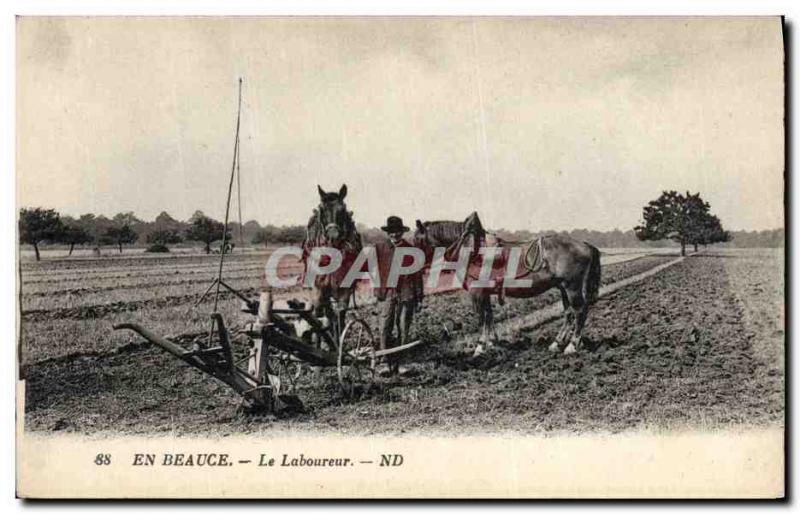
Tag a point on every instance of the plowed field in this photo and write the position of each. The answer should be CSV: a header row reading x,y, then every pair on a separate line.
x,y
700,343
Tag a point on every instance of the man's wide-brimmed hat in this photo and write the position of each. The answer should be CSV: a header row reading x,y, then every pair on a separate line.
x,y
393,225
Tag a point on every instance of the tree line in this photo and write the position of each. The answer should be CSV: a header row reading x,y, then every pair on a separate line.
x,y
673,217
38,225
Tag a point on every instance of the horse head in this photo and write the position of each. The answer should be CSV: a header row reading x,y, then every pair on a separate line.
x,y
333,219
422,241
473,226
471,235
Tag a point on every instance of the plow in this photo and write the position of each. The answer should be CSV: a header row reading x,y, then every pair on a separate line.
x,y
282,338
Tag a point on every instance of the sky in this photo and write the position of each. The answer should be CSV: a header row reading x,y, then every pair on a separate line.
x,y
536,123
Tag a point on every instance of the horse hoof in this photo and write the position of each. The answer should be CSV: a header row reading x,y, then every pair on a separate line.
x,y
570,349
553,347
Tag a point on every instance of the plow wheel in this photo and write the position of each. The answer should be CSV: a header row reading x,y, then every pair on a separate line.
x,y
356,360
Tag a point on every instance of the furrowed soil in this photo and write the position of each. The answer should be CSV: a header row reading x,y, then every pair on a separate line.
x,y
669,351
54,331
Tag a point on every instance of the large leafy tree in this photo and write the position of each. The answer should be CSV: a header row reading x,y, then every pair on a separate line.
x,y
685,219
37,225
204,229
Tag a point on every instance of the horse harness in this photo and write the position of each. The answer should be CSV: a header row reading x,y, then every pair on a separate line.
x,y
533,260
534,256
350,246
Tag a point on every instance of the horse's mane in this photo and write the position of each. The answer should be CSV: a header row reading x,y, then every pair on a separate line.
x,y
314,228
444,232
479,230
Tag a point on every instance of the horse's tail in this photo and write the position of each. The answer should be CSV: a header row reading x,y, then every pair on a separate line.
x,y
592,283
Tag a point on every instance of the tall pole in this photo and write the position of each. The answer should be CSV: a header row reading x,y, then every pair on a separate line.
x,y
228,203
239,194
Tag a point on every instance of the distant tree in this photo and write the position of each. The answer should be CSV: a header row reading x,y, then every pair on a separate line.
x,y
204,229
96,226
261,237
250,229
164,236
162,222
126,218
699,219
267,235
120,235
681,218
141,228
159,239
87,223
37,225
198,214
74,234
292,234
370,235
235,233
758,239
166,222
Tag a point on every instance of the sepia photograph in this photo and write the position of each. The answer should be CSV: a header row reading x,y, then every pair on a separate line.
x,y
344,247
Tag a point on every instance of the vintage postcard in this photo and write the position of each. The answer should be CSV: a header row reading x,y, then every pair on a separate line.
x,y
400,257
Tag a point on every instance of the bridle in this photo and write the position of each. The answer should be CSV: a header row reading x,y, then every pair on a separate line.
x,y
317,232
322,227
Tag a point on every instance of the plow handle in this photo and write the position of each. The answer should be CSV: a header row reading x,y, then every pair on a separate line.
x,y
240,381
169,346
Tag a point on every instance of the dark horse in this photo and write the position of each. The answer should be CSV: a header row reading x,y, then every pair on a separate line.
x,y
549,261
331,225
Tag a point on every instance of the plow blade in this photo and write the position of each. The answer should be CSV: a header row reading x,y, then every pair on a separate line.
x,y
215,362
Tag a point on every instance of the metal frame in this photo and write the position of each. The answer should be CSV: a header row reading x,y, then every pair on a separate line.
x,y
259,386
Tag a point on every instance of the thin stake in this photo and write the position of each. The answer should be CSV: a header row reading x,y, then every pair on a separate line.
x,y
483,139
228,203
239,194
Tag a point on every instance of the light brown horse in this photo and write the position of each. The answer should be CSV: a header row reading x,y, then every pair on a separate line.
x,y
550,261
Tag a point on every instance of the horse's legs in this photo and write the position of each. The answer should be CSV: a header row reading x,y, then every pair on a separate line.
x,y
404,317
318,303
579,307
343,304
580,321
320,300
390,326
476,296
488,316
554,346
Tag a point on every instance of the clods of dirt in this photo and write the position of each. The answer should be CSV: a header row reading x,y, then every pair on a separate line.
x,y
668,351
